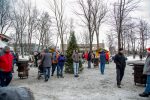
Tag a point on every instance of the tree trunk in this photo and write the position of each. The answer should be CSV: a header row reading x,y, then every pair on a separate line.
x,y
90,37
97,36
21,45
119,41
62,45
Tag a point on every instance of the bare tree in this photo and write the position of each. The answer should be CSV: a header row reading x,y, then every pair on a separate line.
x,y
99,11
131,37
58,9
83,39
31,24
121,12
5,21
44,24
111,42
86,15
19,20
143,31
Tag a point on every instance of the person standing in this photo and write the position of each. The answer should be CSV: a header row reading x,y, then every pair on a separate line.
x,y
6,65
14,60
102,62
120,61
60,67
89,59
86,56
107,57
36,59
83,57
146,71
54,62
46,64
76,58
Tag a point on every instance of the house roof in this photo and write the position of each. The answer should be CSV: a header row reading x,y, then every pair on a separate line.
x,y
2,36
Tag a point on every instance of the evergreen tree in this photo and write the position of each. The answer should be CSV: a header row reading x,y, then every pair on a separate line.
x,y
72,45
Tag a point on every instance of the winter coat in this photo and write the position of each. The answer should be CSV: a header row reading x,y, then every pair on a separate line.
x,y
61,60
76,57
120,61
146,69
89,56
86,56
47,60
103,57
55,58
107,56
83,56
6,61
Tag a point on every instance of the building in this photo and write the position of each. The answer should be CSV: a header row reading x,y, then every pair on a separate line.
x,y
85,47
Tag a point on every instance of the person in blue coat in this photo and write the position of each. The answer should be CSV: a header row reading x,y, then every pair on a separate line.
x,y
102,62
61,63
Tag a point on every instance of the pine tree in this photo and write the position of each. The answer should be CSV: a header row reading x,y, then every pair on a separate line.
x,y
72,45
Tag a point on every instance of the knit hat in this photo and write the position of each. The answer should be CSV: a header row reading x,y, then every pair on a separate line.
x,y
120,49
148,49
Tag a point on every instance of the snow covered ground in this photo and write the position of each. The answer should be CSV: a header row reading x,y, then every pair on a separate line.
x,y
91,85
130,58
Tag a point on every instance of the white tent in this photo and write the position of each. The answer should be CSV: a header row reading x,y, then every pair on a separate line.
x,y
2,44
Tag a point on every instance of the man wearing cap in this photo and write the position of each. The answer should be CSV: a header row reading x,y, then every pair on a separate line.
x,y
6,63
120,61
146,71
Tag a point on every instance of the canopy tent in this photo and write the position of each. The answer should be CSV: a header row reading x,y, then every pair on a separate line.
x,y
100,50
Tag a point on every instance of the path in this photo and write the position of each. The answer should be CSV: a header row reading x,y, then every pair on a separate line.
x,y
91,85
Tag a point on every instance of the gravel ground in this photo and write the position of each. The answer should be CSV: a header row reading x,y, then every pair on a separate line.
x,y
91,85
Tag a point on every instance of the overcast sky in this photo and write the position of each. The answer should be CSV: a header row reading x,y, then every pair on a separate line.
x,y
143,12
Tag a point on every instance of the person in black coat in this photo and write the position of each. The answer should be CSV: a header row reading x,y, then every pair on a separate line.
x,y
120,61
89,59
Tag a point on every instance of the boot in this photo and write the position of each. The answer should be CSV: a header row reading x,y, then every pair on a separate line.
x,y
143,95
118,86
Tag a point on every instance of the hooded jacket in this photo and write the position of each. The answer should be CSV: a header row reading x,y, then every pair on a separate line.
x,y
103,57
6,61
61,60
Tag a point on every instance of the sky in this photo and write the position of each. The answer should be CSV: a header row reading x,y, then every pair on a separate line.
x,y
143,12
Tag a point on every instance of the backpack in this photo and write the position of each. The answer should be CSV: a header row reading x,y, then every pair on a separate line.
x,y
62,58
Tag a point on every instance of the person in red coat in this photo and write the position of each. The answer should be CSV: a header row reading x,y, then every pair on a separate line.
x,y
6,65
86,55
107,57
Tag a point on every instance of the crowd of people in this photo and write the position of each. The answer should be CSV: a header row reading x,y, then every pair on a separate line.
x,y
45,60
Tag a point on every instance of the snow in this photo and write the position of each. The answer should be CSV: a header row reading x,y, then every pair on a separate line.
x,y
130,58
91,85
23,58
2,44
